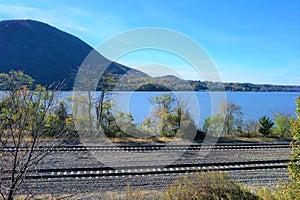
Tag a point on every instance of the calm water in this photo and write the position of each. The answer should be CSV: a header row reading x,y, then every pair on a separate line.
x,y
203,104
253,104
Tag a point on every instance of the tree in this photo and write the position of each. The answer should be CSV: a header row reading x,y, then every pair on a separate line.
x,y
227,121
105,120
251,128
282,125
25,126
266,125
14,80
164,118
104,105
294,167
232,116
61,111
93,113
188,130
82,101
213,125
127,126
64,120
169,118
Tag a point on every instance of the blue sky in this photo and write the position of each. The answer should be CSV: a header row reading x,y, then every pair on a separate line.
x,y
254,41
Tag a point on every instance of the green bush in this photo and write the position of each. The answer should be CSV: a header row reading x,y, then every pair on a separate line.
x,y
294,167
282,126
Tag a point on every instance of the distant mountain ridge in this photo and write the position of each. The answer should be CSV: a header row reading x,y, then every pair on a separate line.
x,y
50,55
46,53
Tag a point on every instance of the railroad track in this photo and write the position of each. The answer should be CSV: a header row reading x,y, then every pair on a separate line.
x,y
96,172
158,147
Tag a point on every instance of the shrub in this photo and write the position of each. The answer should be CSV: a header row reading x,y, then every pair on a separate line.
x,y
294,167
291,190
208,185
278,194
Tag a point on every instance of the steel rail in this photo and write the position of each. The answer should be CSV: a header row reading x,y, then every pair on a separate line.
x,y
157,147
152,170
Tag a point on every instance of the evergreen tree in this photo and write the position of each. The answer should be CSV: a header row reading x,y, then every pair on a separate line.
x,y
266,125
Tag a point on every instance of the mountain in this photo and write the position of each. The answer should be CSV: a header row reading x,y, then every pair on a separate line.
x,y
46,53
50,55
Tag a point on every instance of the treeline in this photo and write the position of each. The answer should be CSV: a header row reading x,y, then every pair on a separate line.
x,y
29,111
132,82
35,111
96,115
242,87
172,83
229,122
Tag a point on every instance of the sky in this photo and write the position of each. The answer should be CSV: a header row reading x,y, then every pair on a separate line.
x,y
255,41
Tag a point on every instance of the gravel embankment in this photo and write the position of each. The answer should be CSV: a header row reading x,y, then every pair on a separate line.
x,y
269,178
86,159
100,186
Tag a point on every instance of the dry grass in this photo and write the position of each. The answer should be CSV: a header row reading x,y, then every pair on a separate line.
x,y
158,139
127,193
230,138
60,196
208,185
